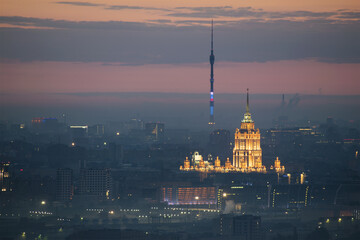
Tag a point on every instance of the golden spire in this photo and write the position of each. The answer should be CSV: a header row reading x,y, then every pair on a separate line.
x,y
247,115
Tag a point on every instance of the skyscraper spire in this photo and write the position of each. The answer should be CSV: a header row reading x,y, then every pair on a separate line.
x,y
212,60
247,115
283,101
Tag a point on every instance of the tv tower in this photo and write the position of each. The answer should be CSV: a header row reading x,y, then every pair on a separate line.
x,y
212,60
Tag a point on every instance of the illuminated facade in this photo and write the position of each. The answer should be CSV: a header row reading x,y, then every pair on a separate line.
x,y
196,158
189,195
247,153
5,184
205,166
277,166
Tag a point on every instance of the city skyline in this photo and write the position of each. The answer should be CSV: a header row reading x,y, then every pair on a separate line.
x,y
107,119
152,46
120,60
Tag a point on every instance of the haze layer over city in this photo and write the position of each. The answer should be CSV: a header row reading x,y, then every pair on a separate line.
x,y
178,119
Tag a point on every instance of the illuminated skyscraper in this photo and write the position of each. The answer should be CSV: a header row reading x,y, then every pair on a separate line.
x,y
277,166
247,153
5,183
212,60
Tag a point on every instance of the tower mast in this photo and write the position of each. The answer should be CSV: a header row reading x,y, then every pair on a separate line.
x,y
212,60
247,101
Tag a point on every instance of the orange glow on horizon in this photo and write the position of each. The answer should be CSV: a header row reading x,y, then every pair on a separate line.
x,y
99,12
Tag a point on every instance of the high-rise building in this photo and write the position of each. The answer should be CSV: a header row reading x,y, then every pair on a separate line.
x,y
245,227
64,184
212,61
116,153
155,131
277,166
96,182
46,125
5,183
247,153
96,130
196,158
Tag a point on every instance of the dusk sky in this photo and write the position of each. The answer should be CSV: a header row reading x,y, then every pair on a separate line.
x,y
49,48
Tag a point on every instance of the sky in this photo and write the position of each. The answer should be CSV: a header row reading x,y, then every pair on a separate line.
x,y
51,50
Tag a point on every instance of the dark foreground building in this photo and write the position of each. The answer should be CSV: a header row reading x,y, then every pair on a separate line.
x,y
244,227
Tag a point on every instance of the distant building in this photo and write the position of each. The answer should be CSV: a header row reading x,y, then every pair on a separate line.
x,y
177,136
64,184
5,183
46,125
96,130
292,196
155,131
79,131
189,195
244,227
134,124
244,197
116,153
196,158
278,168
96,182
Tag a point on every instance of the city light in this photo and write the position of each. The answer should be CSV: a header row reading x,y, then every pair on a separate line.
x,y
138,153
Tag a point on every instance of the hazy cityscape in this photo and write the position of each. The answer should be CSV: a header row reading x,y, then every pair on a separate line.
x,y
179,121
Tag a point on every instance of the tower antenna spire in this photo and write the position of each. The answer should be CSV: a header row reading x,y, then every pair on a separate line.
x,y
247,100
212,35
